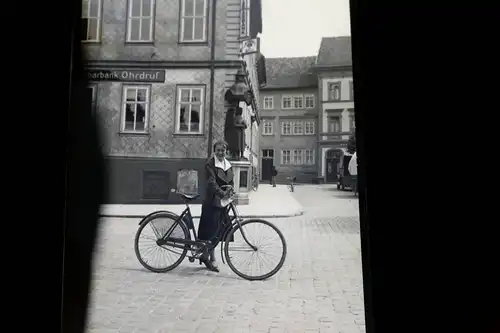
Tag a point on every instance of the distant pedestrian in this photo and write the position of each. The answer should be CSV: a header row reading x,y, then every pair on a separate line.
x,y
274,173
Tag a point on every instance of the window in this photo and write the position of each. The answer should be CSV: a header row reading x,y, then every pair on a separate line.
x,y
333,124
298,102
91,20
140,21
298,128
297,156
309,157
267,153
286,156
268,127
189,111
194,21
309,101
245,18
351,88
268,102
286,128
334,91
135,109
309,127
286,102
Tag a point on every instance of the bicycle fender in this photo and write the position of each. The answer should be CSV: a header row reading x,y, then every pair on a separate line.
x,y
145,218
228,230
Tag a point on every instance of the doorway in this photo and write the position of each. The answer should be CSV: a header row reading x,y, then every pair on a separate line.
x,y
89,99
332,160
267,163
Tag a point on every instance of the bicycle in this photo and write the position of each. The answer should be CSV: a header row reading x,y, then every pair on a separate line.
x,y
291,185
196,248
255,182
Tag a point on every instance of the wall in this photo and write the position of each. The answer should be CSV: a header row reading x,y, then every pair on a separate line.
x,y
161,141
150,180
161,152
277,141
166,46
230,36
160,148
343,105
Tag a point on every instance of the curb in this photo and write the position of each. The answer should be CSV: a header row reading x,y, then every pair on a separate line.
x,y
299,213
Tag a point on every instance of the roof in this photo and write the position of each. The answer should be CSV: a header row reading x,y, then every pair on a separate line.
x,y
290,73
335,51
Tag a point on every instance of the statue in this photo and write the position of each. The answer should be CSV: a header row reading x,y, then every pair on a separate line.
x,y
240,126
229,131
234,132
235,124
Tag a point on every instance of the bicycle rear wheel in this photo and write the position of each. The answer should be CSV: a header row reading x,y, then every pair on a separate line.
x,y
272,253
154,228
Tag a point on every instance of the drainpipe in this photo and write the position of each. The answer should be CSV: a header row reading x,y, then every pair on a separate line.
x,y
212,79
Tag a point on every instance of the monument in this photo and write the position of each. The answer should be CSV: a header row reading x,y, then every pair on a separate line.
x,y
234,134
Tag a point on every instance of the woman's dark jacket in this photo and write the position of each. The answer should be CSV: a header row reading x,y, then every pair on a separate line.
x,y
216,178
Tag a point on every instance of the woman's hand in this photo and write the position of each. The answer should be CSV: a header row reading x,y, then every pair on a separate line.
x,y
228,193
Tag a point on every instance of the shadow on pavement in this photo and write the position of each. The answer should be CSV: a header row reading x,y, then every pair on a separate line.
x,y
349,225
184,272
344,195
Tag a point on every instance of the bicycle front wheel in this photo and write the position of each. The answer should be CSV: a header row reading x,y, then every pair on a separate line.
x,y
255,249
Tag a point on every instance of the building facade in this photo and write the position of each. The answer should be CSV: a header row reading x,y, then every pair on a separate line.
x,y
158,71
336,92
307,112
289,105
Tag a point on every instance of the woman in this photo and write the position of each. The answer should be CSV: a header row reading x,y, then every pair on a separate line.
x,y
219,173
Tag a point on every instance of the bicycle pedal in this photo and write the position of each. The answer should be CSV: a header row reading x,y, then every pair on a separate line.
x,y
191,259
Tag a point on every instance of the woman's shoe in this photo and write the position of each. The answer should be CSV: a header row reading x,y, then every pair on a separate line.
x,y
209,264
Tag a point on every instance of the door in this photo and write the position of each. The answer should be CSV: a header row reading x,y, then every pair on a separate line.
x,y
267,163
89,99
331,170
332,160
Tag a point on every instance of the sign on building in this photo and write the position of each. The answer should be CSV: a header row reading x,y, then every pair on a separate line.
x,y
125,75
249,46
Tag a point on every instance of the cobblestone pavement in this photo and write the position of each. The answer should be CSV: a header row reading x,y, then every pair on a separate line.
x,y
319,289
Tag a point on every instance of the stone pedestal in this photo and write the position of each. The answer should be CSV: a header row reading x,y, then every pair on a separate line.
x,y
242,178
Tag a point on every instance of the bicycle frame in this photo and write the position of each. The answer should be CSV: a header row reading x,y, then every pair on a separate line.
x,y
190,226
187,219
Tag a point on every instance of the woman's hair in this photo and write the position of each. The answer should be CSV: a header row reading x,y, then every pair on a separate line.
x,y
220,143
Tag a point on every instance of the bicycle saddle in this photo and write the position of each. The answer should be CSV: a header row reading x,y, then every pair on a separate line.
x,y
189,196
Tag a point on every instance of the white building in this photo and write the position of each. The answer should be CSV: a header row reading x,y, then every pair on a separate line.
x,y
336,114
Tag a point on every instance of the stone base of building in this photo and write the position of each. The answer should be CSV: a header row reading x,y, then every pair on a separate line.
x,y
242,177
147,180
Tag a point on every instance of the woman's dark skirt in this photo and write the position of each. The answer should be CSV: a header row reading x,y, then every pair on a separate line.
x,y
210,222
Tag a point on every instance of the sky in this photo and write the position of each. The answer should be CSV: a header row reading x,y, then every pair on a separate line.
x,y
294,28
